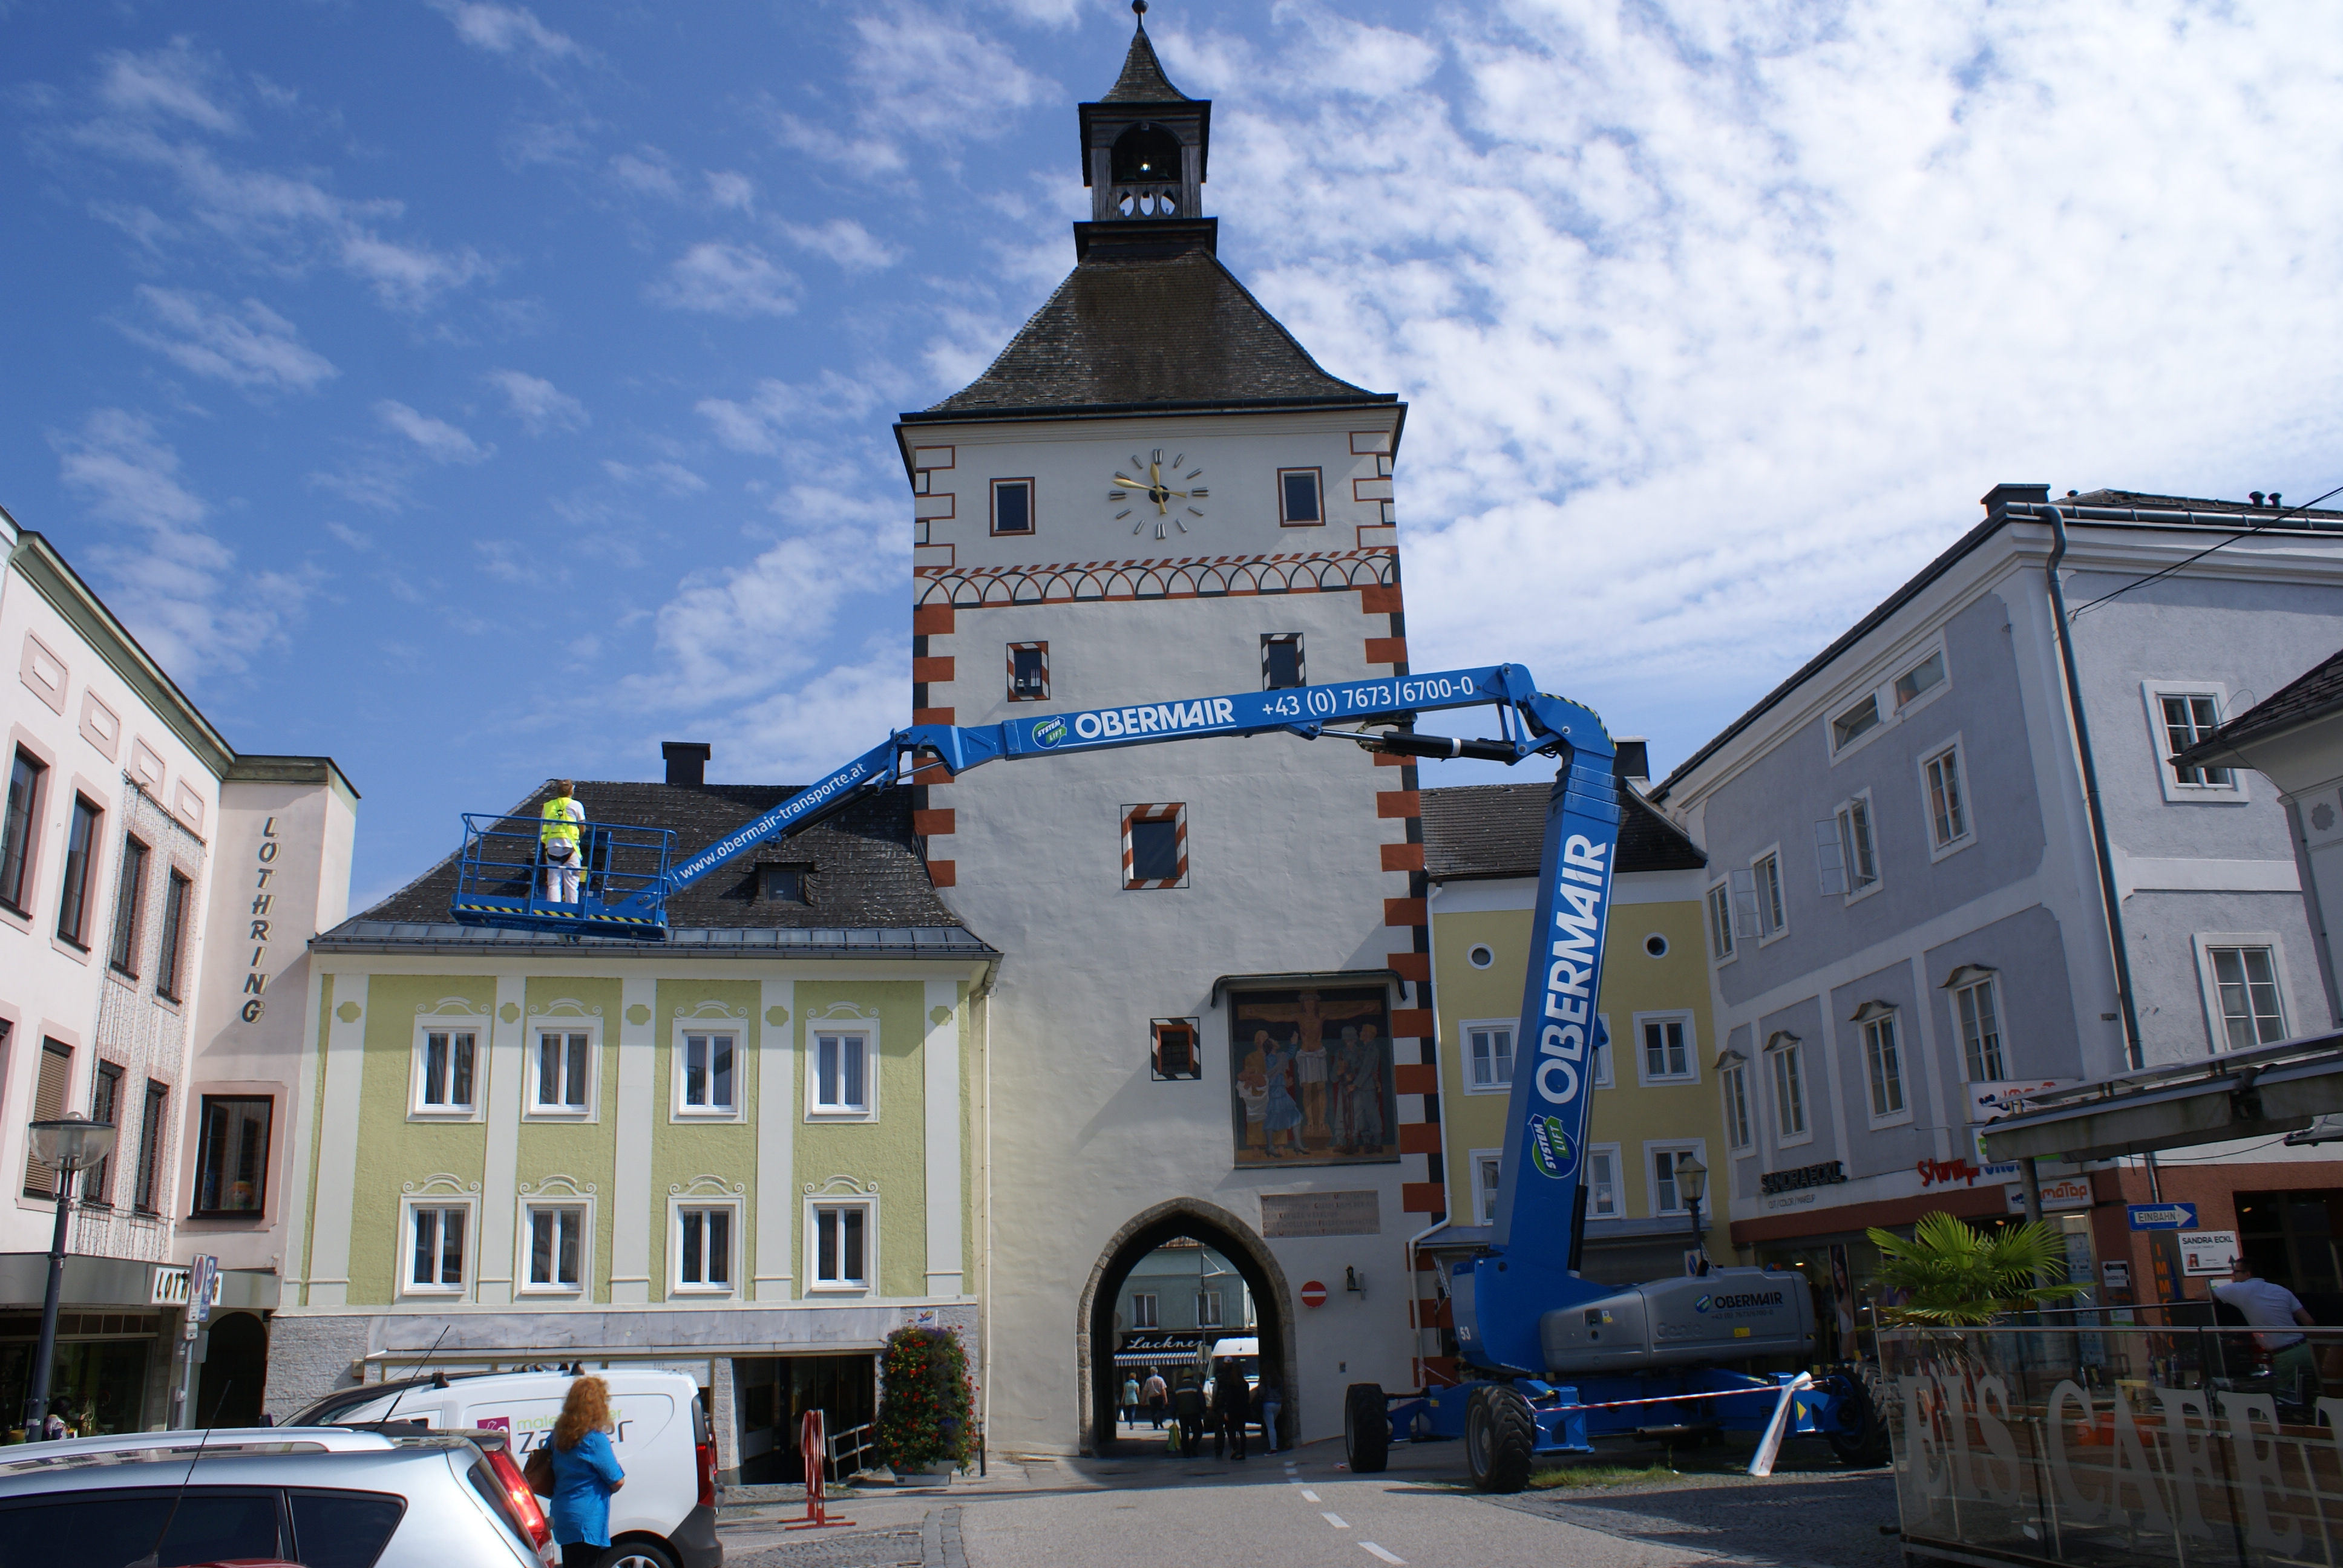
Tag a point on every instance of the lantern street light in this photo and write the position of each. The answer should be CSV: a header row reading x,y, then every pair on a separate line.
x,y
67,1146
1691,1181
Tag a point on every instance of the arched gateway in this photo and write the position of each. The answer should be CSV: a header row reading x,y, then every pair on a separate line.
x,y
1216,1228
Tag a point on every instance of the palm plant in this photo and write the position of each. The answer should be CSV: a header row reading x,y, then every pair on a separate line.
x,y
1955,1276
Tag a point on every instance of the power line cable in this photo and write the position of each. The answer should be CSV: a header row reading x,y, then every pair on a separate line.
x,y
2079,611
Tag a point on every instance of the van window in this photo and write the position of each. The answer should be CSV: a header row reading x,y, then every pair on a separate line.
x,y
343,1529
212,1523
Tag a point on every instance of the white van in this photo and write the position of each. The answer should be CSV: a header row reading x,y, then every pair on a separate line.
x,y
664,1517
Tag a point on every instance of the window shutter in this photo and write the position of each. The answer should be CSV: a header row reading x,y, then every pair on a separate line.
x,y
1745,902
48,1104
1830,856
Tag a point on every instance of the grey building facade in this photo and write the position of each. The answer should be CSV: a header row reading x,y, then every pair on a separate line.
x,y
1906,914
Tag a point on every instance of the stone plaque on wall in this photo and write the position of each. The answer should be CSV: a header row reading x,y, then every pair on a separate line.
x,y
1320,1214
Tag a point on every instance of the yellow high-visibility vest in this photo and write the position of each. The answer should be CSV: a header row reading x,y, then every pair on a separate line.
x,y
559,828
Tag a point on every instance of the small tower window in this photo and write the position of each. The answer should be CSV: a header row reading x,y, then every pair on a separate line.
x,y
1012,505
1280,660
1146,153
781,884
1297,497
1029,672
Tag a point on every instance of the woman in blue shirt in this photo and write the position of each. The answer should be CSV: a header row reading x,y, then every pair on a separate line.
x,y
585,1472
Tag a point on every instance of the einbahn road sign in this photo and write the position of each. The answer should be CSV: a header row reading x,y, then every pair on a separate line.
x,y
2163,1216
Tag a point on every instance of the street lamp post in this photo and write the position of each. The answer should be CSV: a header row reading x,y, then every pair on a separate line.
x,y
1691,1181
67,1146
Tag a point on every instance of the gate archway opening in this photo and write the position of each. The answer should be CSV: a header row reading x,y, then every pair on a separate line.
x,y
1223,1233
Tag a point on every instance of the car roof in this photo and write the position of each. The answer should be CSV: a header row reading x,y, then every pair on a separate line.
x,y
470,1386
263,1456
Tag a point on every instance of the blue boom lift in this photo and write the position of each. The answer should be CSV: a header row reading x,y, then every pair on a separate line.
x,y
1557,1359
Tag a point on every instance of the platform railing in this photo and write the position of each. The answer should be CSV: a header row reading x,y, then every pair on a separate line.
x,y
2123,1444
503,866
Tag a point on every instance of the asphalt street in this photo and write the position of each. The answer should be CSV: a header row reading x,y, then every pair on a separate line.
x,y
1304,1509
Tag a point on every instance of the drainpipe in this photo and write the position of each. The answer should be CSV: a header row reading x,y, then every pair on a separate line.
x,y
2108,894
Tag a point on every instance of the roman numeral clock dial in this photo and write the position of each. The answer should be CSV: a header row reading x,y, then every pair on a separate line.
x,y
1167,493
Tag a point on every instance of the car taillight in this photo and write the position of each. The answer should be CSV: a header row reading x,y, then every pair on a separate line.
x,y
706,1474
519,1500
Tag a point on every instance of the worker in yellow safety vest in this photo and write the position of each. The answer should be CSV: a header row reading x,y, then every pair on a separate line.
x,y
557,843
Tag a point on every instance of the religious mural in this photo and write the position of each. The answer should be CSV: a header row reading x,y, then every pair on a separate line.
x,y
1311,1077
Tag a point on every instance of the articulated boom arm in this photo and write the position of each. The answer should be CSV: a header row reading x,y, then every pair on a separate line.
x,y
1544,1141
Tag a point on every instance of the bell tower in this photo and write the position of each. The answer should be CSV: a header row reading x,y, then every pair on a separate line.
x,y
1146,148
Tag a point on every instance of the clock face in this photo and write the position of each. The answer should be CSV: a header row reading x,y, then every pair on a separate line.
x,y
1158,492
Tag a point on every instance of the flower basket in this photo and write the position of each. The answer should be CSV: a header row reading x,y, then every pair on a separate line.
x,y
926,1405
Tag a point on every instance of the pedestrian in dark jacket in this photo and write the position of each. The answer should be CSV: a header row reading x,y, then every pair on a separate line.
x,y
1268,1399
1188,1404
1231,1408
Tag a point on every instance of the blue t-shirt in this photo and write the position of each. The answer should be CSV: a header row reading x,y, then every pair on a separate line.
x,y
583,1479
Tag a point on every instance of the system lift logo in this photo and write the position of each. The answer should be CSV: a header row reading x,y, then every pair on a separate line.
x,y
1701,1304
1048,731
1550,1149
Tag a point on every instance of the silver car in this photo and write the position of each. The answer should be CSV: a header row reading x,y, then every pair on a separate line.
x,y
320,1496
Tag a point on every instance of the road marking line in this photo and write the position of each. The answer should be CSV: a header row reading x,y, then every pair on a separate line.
x,y
1309,1494
1370,1546
1335,1520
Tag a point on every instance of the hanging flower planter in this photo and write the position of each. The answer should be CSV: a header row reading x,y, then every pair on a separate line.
x,y
926,1406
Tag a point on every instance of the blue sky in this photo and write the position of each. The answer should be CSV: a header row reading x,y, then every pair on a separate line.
x,y
476,392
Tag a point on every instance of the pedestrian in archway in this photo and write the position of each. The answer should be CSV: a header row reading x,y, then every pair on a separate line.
x,y
1231,1407
1268,1399
1188,1405
1131,1399
1156,1394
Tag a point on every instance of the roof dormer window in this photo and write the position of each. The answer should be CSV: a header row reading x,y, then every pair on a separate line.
x,y
782,885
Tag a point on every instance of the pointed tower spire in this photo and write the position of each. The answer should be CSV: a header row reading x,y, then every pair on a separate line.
x,y
1144,151
1143,80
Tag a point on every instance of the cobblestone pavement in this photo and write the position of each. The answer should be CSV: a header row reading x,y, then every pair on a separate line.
x,y
1305,1508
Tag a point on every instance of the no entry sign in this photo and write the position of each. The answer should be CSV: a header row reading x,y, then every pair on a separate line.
x,y
1313,1293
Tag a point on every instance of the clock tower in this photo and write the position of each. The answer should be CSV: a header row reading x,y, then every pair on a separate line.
x,y
1213,1016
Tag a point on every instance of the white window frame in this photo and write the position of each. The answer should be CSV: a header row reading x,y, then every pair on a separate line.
x,y
2152,695
406,1269
1716,914
1477,1162
1795,1049
865,1030
1740,1121
1773,898
1867,1022
448,1024
2209,985
1216,1317
736,1248
1601,1077
679,1111
592,1110
1511,1026
1644,1073
868,1284
1972,1059
524,1249
1836,854
1883,697
1673,1147
1154,1313
1618,1182
1959,747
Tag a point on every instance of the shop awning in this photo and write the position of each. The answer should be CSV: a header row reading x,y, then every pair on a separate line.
x,y
2258,1093
1158,1348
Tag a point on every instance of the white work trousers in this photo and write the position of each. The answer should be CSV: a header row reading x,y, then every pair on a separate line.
x,y
561,873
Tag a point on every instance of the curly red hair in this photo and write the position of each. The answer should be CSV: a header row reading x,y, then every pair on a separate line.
x,y
588,1408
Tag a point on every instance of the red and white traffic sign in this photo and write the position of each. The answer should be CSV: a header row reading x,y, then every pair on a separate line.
x,y
1313,1293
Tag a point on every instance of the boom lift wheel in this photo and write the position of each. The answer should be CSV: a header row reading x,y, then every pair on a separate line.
x,y
1367,1428
1499,1433
1863,1444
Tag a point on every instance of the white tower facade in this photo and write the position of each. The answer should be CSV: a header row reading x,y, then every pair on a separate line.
x,y
1214,1017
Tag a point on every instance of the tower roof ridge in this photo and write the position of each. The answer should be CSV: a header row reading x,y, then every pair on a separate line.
x,y
1143,80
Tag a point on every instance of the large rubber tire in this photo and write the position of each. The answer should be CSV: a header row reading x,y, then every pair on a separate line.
x,y
631,1554
1367,1428
1860,1438
1498,1434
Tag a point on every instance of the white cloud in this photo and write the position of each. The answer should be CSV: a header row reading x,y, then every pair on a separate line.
x,y
727,280
844,241
650,176
154,109
253,347
757,424
512,31
919,77
436,439
729,190
540,406
870,155
674,478
174,582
